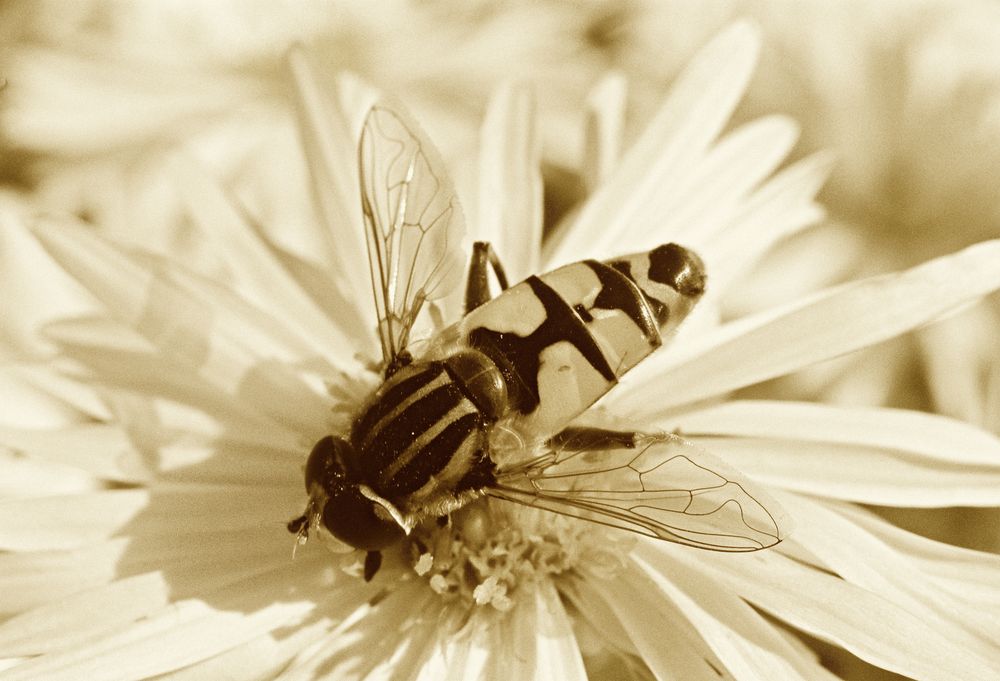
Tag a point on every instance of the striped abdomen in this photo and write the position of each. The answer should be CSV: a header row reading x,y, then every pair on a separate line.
x,y
423,432
562,339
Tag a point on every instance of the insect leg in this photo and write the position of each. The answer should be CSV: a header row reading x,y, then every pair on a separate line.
x,y
373,561
587,438
477,289
298,525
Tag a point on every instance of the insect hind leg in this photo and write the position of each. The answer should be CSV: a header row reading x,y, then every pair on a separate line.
x,y
477,288
588,438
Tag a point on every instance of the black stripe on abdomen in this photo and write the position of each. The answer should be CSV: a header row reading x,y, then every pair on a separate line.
x,y
620,292
433,457
518,357
395,396
387,441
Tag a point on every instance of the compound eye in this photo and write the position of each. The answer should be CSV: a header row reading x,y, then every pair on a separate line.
x,y
326,465
350,517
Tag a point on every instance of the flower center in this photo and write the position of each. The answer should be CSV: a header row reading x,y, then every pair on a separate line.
x,y
488,549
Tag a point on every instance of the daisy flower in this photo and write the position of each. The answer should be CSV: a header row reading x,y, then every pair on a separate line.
x,y
179,407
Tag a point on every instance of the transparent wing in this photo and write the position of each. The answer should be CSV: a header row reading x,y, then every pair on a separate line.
x,y
665,487
413,223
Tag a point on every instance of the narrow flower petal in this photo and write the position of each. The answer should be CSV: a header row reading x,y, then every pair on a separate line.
x,y
659,631
193,560
24,478
102,450
188,631
195,322
36,290
329,137
463,654
367,642
605,125
913,432
862,559
861,473
164,391
864,623
66,521
968,575
72,521
591,606
539,642
259,659
832,323
262,277
777,209
510,181
745,642
38,395
700,102
704,202
32,578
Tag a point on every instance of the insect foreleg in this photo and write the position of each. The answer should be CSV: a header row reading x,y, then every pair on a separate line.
x,y
373,561
587,438
477,289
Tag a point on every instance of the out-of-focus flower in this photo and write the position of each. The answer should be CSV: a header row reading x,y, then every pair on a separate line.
x,y
907,95
151,539
96,94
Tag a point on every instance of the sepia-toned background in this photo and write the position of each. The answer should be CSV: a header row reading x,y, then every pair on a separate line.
x,y
99,96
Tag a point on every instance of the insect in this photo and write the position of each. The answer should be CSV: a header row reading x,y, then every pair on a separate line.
x,y
487,405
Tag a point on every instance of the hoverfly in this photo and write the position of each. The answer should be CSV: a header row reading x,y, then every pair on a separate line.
x,y
487,405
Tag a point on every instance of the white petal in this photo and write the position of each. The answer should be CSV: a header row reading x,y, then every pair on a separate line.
x,y
141,383
916,433
30,579
832,323
84,617
749,645
188,631
102,450
36,395
365,644
510,181
862,559
192,561
68,521
695,210
260,659
777,209
597,614
329,137
538,642
196,323
700,102
865,624
35,289
462,654
72,521
968,575
135,106
24,478
262,276
603,135
860,473
661,634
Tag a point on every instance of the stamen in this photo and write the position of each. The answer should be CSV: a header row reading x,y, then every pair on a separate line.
x,y
489,550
